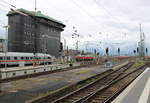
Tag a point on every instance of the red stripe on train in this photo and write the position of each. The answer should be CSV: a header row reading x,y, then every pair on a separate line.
x,y
23,60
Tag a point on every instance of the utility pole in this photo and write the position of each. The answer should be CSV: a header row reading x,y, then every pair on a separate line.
x,y
67,54
35,33
141,43
64,43
35,6
44,48
6,46
76,36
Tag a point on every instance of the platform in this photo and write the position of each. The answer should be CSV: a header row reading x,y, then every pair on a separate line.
x,y
20,71
138,91
22,90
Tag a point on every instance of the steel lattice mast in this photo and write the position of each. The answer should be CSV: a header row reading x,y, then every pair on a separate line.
x,y
141,43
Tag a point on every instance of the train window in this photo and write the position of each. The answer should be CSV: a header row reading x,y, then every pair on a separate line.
x,y
15,58
14,74
31,57
49,57
27,58
1,58
22,58
8,58
25,72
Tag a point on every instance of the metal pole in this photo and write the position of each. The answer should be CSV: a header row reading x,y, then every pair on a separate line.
x,y
64,43
64,46
67,54
44,48
35,6
44,51
6,46
6,50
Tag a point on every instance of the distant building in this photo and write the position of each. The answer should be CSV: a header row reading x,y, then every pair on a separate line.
x,y
36,33
2,45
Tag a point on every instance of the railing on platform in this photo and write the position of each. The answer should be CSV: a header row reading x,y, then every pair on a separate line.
x,y
31,70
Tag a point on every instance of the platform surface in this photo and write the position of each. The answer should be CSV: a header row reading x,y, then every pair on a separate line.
x,y
22,90
138,91
10,69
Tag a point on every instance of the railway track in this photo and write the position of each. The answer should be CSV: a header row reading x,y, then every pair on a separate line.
x,y
84,92
107,93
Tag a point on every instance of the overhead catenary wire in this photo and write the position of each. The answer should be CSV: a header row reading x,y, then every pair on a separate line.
x,y
107,11
4,9
5,6
120,8
8,3
87,13
12,8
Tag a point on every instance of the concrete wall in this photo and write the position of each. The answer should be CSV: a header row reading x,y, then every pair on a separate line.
x,y
2,46
21,35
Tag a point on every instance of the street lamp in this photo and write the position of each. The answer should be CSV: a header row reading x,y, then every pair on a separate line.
x,y
6,46
44,46
64,42
75,36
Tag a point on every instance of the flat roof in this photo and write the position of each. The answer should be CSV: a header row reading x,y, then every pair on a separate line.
x,y
37,14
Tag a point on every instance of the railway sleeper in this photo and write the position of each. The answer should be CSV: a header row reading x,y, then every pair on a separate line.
x,y
95,101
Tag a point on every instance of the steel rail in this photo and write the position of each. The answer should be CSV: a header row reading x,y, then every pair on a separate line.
x,y
86,90
104,88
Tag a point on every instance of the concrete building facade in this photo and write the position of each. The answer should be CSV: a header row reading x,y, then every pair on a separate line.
x,y
2,45
35,33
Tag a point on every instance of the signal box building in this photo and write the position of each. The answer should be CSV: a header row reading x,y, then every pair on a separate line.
x,y
33,32
2,45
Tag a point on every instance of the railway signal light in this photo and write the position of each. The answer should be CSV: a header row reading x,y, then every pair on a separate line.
x,y
118,51
61,47
137,50
107,51
146,50
95,51
134,51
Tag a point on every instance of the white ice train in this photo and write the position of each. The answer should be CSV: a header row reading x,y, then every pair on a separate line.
x,y
24,59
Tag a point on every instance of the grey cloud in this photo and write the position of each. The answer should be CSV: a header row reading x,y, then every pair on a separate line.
x,y
91,18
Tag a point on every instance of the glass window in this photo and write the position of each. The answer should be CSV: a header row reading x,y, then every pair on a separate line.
x,y
15,58
8,58
1,58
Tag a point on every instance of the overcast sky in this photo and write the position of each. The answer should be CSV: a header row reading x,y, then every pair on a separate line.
x,y
98,22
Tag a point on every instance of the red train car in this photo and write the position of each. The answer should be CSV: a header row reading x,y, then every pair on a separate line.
x,y
84,58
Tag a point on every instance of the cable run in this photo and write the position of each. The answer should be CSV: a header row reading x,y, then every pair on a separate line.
x,y
8,3
88,14
100,5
